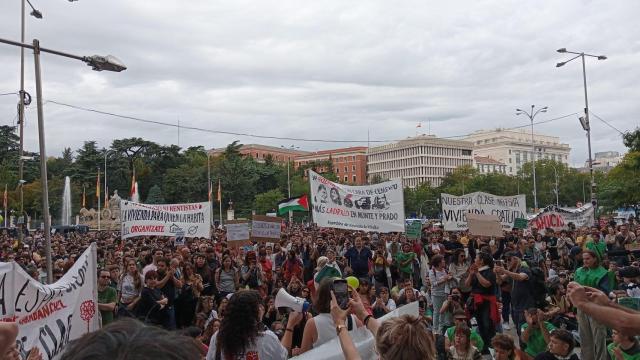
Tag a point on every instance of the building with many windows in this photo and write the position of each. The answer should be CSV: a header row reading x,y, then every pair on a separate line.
x,y
259,152
487,165
419,159
514,148
349,164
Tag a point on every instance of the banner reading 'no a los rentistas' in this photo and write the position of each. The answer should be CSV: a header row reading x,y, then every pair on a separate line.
x,y
179,220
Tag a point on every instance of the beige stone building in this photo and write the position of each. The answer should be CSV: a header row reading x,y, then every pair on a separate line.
x,y
514,149
419,159
487,165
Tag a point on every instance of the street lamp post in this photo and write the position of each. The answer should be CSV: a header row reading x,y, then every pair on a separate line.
x,y
584,121
38,15
97,63
531,115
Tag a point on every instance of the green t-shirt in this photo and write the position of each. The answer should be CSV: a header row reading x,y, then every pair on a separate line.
x,y
402,257
634,352
536,343
476,340
108,295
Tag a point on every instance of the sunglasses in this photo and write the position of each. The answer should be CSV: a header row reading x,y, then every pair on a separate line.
x,y
104,276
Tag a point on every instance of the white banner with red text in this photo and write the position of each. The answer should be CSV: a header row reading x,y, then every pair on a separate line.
x,y
49,316
559,218
179,220
378,207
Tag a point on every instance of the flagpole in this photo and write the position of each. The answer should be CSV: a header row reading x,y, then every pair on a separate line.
x,y
98,195
209,187
220,199
4,201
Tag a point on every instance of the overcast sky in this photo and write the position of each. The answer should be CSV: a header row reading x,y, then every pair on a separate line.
x,y
325,69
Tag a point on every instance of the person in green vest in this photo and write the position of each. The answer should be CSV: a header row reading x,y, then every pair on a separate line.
x,y
624,347
404,260
592,333
107,297
596,244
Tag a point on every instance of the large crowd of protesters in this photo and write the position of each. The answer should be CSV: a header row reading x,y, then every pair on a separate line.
x,y
570,294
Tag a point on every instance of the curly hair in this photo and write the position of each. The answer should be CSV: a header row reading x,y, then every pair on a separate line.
x,y
240,326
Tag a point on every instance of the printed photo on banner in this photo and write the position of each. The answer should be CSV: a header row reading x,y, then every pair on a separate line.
x,y
506,208
177,220
50,316
378,207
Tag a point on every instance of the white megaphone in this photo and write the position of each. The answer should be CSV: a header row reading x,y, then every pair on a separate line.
x,y
284,299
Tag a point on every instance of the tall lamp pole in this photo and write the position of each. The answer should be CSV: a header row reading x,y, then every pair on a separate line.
x,y
532,115
21,103
584,121
98,63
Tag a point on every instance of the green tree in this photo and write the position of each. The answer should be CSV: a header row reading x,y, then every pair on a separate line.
x,y
268,201
155,195
459,181
620,187
631,139
238,176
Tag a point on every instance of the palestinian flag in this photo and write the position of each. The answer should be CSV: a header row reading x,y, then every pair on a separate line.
x,y
300,203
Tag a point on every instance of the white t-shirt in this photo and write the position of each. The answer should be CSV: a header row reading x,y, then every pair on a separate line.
x,y
266,347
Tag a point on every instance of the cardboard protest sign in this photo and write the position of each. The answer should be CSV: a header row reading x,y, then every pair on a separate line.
x,y
49,316
378,207
414,230
520,223
265,228
506,208
238,232
484,225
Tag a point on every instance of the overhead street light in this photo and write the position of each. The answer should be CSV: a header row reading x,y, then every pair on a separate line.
x,y
34,12
532,115
98,63
584,121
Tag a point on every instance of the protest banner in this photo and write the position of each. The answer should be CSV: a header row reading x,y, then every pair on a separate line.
x,y
484,225
414,229
506,208
49,316
165,220
521,223
364,341
378,207
559,218
237,232
266,228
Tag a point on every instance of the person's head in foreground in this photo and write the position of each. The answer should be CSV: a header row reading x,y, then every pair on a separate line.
x,y
504,347
561,343
241,324
131,339
405,337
